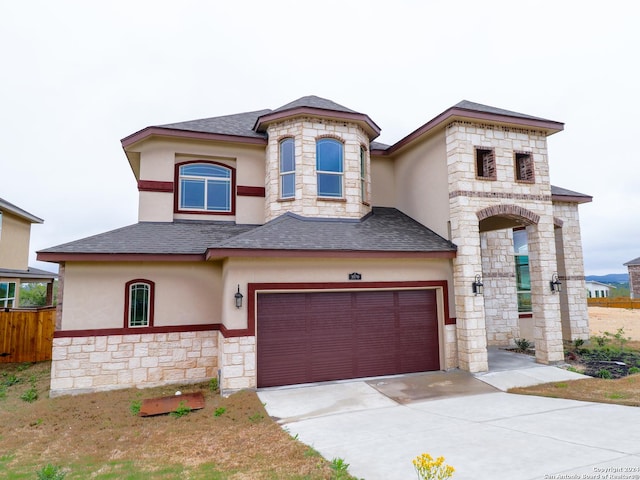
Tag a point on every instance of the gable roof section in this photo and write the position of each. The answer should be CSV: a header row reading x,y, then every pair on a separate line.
x,y
237,127
30,273
11,208
385,232
635,261
318,107
466,110
559,194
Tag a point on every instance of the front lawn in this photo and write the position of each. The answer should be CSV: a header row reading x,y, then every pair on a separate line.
x,y
99,436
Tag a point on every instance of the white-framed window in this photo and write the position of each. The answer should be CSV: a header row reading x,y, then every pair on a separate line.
x,y
287,168
139,296
7,294
205,187
329,167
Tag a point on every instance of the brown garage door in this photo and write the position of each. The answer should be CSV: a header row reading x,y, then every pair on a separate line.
x,y
315,337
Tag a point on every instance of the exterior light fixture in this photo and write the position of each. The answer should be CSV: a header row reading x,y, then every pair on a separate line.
x,y
238,298
555,284
477,285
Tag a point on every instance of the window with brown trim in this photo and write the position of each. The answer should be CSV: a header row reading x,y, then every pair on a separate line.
x,y
485,163
205,187
524,167
138,303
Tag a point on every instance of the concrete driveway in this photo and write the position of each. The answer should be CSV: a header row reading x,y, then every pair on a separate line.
x,y
379,425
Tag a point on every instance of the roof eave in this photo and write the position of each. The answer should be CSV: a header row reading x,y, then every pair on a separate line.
x,y
149,132
373,130
218,253
59,257
456,113
571,198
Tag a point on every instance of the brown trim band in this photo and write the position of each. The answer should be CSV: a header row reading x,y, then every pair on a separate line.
x,y
169,132
155,186
135,331
244,191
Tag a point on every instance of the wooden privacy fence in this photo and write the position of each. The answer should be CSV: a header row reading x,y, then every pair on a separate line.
x,y
618,302
26,335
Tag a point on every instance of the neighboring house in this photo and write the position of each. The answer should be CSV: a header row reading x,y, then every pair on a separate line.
x,y
15,233
633,267
286,246
597,289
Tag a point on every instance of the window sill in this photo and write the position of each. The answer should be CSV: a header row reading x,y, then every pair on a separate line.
x,y
292,199
490,179
529,182
525,315
332,199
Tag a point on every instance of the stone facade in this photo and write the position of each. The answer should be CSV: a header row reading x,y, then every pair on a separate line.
x,y
95,363
634,280
479,203
305,132
237,363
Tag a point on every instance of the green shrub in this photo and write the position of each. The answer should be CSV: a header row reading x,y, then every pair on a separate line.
x,y
182,410
30,395
50,472
523,345
135,406
604,373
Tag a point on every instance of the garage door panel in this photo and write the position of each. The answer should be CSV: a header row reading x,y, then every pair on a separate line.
x,y
319,336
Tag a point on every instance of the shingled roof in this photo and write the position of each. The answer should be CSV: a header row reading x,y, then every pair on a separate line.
x,y
384,230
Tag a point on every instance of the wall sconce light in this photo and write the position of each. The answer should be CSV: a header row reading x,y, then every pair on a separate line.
x,y
238,298
477,285
555,284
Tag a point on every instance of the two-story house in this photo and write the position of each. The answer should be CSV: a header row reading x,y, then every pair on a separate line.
x,y
286,246
15,235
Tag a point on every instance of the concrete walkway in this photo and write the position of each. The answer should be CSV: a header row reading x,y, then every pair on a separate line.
x,y
379,425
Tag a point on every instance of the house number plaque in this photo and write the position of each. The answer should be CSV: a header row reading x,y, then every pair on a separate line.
x,y
355,276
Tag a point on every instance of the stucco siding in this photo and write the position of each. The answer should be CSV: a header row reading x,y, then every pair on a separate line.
x,y
185,293
14,242
422,185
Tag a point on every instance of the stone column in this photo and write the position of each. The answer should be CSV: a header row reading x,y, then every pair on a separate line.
x,y
546,305
470,320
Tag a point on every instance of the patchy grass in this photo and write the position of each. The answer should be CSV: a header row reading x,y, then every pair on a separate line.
x,y
622,391
96,436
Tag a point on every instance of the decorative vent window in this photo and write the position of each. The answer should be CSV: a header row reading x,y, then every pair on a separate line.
x,y
287,168
205,187
139,304
363,174
524,167
485,164
329,167
523,280
7,294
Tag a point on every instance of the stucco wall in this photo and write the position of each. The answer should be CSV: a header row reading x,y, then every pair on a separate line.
x,y
14,242
158,158
422,184
185,293
383,183
241,271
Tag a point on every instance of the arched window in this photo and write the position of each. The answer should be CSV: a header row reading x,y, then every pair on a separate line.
x,y
205,187
287,168
329,167
138,304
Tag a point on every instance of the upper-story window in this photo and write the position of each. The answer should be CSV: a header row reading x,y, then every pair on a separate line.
x,y
329,167
524,167
485,163
139,303
287,168
363,174
205,187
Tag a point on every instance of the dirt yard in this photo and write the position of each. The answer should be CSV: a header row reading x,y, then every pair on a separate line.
x,y
603,319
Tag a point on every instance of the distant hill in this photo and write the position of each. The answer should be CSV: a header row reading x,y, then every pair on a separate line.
x,y
611,278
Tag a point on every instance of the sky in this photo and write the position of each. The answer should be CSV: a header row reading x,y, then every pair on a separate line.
x,y
77,76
